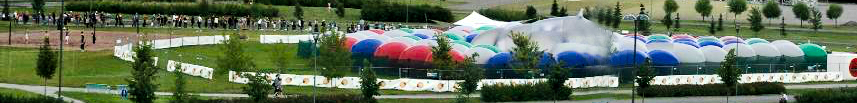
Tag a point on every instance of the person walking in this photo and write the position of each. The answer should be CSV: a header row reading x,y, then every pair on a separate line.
x,y
278,87
82,42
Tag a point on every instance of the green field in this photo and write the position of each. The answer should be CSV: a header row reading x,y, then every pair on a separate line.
x,y
20,93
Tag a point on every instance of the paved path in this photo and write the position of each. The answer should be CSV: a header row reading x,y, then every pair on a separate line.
x,y
473,5
41,90
699,99
696,99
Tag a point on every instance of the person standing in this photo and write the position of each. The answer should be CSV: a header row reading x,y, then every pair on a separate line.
x,y
26,37
82,42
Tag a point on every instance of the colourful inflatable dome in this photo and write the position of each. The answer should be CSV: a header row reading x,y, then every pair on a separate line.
x,y
483,54
377,31
470,37
489,47
546,61
688,53
713,54
501,60
391,50
349,41
663,58
813,53
710,43
419,53
573,59
422,36
365,48
628,57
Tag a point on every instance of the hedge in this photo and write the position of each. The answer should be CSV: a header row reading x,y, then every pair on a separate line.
x,y
712,90
522,92
836,95
503,14
393,12
314,3
338,98
9,98
174,8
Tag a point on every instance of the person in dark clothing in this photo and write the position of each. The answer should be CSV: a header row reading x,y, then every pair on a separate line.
x,y
82,42
93,37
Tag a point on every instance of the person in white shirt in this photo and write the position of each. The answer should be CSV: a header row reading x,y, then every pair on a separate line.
x,y
27,37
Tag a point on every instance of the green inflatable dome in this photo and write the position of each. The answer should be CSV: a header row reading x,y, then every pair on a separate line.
x,y
813,53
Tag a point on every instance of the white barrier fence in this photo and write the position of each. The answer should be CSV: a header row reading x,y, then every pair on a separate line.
x,y
749,78
415,84
268,39
190,69
126,52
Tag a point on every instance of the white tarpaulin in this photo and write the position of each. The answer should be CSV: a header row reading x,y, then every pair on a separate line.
x,y
713,53
787,48
687,53
477,20
267,39
766,50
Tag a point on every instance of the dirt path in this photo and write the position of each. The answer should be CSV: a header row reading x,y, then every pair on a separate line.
x,y
104,40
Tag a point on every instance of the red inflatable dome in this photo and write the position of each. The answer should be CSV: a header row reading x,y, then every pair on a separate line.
x,y
391,50
420,53
456,56
377,31
853,67
349,41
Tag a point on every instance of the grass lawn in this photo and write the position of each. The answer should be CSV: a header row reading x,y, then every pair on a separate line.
x,y
602,95
106,98
445,100
628,7
17,92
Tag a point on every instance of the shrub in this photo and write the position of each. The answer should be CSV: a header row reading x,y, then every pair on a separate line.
x,y
712,90
503,14
313,3
8,98
174,8
522,92
339,98
392,12
837,95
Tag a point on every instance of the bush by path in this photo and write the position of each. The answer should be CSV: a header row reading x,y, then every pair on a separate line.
x,y
521,92
392,12
837,95
712,90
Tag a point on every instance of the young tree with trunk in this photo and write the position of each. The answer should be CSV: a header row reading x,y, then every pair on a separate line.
x,y
181,95
234,57
441,59
668,21
801,11
737,7
712,28
142,83
771,10
299,11
340,8
816,19
617,16
554,9
644,76
556,80
279,56
531,12
46,63
720,23
369,85
472,75
334,59
38,6
257,87
834,11
526,52
670,7
703,7
587,13
729,73
756,21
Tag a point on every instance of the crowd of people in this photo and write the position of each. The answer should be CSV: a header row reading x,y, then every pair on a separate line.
x,y
101,19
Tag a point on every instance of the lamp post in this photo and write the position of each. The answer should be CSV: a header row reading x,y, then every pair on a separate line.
x,y
640,17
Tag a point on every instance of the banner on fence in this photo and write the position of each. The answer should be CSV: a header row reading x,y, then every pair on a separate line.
x,y
268,39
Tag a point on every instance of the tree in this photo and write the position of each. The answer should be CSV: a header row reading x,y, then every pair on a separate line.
x,y
737,7
257,88
142,84
756,20
644,76
180,94
531,12
279,57
617,16
299,11
6,10
816,19
712,29
677,21
563,12
340,8
703,7
369,85
526,52
728,73
670,6
233,57
834,11
333,57
441,59
643,25
771,10
783,27
601,14
556,80
38,6
472,75
554,9
720,23
801,11
46,63
668,21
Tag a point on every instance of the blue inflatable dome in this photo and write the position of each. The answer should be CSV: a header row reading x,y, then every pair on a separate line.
x,y
499,61
663,58
658,41
684,39
710,43
572,59
470,37
423,36
546,61
732,41
691,43
590,59
365,48
626,58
